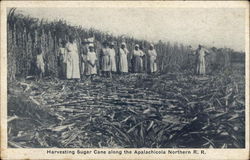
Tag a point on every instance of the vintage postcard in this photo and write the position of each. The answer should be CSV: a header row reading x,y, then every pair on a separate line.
x,y
124,80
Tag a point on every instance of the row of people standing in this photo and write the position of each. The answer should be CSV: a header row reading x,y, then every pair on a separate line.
x,y
73,63
109,61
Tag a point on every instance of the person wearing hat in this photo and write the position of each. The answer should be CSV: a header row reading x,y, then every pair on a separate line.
x,y
152,59
112,55
201,54
123,61
91,62
105,60
137,61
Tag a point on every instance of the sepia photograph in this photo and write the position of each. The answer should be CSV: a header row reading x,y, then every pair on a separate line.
x,y
126,77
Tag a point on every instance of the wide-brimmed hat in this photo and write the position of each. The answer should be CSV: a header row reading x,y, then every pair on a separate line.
x,y
137,45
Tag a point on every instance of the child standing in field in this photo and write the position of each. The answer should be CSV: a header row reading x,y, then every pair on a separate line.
x,y
40,62
91,60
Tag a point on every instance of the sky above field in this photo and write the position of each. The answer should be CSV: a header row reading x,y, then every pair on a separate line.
x,y
210,27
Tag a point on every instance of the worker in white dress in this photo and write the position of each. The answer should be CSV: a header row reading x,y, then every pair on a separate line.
x,y
91,62
201,53
112,55
152,59
73,68
123,61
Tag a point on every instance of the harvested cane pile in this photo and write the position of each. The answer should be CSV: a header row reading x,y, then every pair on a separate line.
x,y
136,110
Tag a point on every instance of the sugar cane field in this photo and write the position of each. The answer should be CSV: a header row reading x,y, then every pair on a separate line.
x,y
172,108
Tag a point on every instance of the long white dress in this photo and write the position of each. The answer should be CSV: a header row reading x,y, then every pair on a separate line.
x,y
112,60
201,62
152,60
73,69
91,57
123,65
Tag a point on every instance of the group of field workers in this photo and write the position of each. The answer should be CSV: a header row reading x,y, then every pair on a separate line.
x,y
74,64
108,62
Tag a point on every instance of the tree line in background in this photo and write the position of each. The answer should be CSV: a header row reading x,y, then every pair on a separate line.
x,y
25,33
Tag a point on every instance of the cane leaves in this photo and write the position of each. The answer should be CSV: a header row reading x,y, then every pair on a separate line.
x,y
168,111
